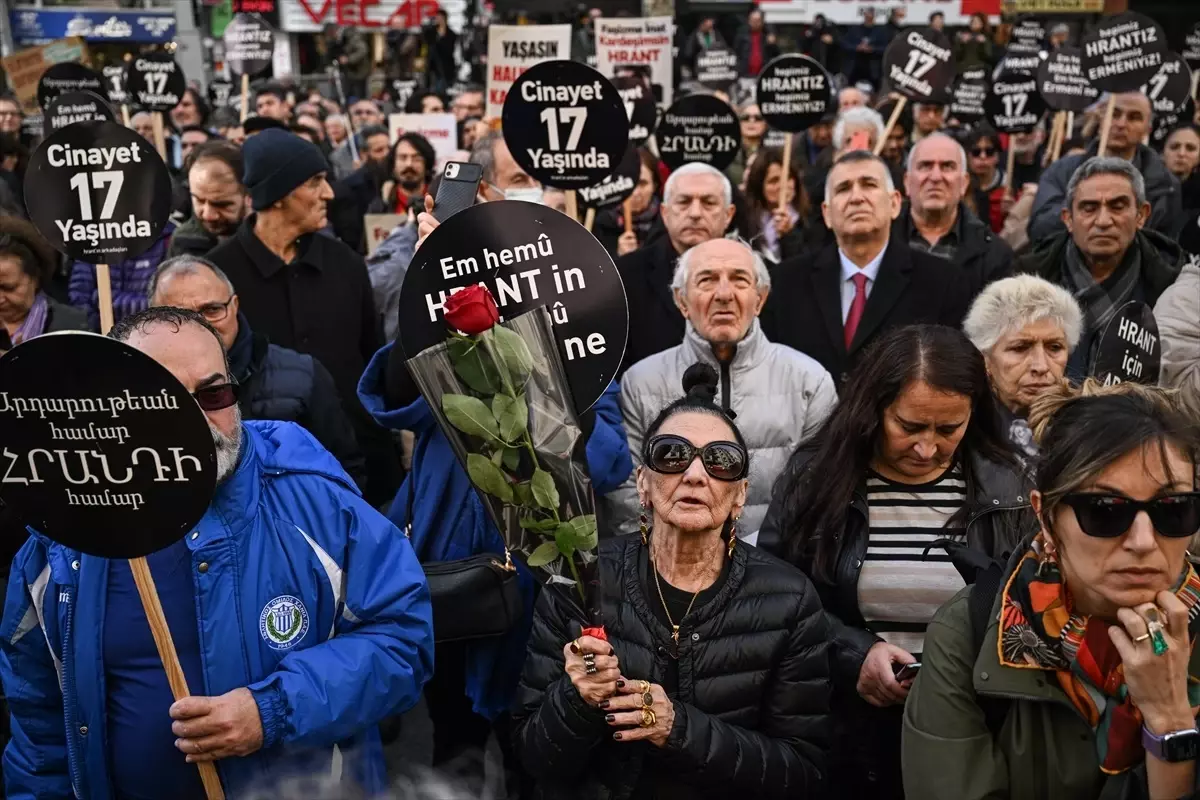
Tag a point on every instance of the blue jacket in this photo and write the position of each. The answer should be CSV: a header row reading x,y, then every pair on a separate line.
x,y
289,521
450,522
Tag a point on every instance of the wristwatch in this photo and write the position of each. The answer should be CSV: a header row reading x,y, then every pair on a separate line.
x,y
1172,747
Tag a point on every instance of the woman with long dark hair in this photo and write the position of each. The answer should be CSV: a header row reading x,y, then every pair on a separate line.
x,y
781,230
645,205
910,480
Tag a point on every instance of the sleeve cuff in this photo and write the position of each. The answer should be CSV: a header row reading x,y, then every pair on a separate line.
x,y
272,711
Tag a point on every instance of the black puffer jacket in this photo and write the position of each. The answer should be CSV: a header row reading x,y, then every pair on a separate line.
x,y
751,711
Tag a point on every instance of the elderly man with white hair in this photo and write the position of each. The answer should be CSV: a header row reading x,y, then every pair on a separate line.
x,y
780,395
697,206
1026,328
934,219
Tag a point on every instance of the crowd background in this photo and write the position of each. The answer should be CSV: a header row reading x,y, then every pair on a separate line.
x,y
894,323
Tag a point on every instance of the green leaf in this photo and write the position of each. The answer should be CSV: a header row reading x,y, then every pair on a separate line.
x,y
488,477
512,461
578,532
523,493
545,493
513,351
542,555
498,456
473,366
564,540
470,416
539,525
511,414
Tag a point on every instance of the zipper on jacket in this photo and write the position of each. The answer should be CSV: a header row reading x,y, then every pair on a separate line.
x,y
725,398
68,693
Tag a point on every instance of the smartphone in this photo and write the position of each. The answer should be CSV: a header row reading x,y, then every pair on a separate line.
x,y
457,189
906,672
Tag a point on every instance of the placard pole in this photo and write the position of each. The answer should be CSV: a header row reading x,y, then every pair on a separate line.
x,y
170,660
160,139
589,219
1107,123
1060,123
245,95
627,207
1008,169
1195,82
125,115
890,124
1070,130
104,296
572,206
785,175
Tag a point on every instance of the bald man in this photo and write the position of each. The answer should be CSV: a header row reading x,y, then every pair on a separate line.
x,y
1131,122
934,219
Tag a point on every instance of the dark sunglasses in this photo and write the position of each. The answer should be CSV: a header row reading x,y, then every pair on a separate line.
x,y
1107,516
751,118
983,152
671,455
217,397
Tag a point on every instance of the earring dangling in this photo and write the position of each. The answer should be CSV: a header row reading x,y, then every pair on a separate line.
x,y
732,537
643,525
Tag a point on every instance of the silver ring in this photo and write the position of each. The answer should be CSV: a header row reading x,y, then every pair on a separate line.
x,y
589,663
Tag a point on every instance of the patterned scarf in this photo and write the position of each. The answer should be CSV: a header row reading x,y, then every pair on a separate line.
x,y
35,320
1039,630
1099,305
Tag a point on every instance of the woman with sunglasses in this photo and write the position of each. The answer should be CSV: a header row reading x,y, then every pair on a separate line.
x,y
987,176
910,476
713,681
1074,675
754,128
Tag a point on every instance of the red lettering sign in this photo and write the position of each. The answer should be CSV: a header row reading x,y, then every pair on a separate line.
x,y
359,13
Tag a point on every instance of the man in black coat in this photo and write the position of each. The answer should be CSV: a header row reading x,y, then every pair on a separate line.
x,y
934,220
219,200
276,383
697,206
306,290
833,306
354,195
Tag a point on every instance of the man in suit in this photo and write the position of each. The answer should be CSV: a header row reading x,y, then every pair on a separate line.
x,y
697,206
833,306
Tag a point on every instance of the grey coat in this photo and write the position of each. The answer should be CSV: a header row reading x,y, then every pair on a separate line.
x,y
1178,316
780,395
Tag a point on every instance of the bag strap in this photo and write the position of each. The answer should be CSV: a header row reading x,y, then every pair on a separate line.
x,y
980,601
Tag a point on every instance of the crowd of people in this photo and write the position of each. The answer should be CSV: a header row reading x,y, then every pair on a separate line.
x,y
867,528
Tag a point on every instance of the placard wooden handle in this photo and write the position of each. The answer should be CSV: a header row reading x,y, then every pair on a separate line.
x,y
627,207
891,123
160,139
170,660
785,175
572,205
245,96
104,297
1012,155
589,219
1106,124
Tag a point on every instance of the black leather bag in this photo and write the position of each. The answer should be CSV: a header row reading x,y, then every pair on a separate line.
x,y
473,598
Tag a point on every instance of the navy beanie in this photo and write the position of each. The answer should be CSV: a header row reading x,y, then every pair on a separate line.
x,y
276,162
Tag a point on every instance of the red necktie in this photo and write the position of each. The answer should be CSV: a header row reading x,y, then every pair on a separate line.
x,y
856,307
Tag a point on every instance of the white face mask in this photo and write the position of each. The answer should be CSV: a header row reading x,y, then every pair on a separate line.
x,y
530,194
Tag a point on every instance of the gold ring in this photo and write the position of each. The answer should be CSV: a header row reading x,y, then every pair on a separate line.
x,y
575,645
643,686
647,700
1142,638
649,718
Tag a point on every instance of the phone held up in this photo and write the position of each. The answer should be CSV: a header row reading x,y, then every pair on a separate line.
x,y
457,189
906,672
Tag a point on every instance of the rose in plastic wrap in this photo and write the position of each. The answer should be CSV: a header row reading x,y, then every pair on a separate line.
x,y
472,310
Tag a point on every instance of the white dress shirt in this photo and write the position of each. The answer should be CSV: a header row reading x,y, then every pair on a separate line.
x,y
849,270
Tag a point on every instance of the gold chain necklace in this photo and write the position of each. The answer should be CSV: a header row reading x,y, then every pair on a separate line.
x,y
663,600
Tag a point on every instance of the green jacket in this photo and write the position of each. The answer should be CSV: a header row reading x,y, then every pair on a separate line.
x,y
1044,749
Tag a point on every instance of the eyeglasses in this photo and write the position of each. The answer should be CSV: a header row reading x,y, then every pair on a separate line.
x,y
751,118
1107,516
215,312
217,397
983,152
671,455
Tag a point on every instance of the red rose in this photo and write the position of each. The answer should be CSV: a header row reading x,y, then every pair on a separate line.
x,y
472,310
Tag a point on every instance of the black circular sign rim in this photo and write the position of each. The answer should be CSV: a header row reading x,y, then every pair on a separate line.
x,y
1130,81
1194,35
644,112
794,123
74,71
238,67
993,100
482,224
1025,19
1181,81
1065,102
715,106
608,134
135,81
1109,343
631,168
945,70
94,529
40,192
76,97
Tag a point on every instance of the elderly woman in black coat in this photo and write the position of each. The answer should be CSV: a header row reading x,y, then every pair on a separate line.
x,y
714,679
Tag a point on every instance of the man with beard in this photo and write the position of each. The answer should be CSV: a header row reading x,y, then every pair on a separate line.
x,y
289,578
219,200
412,161
361,190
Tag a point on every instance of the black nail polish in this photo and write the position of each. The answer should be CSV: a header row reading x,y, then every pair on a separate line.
x,y
617,736
609,717
604,704
620,684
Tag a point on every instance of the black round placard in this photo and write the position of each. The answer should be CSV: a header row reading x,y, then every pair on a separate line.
x,y
1123,52
699,127
98,192
613,190
114,82
1029,31
249,44
1061,82
1191,47
72,107
970,92
68,76
717,69
1021,58
1170,87
640,106
154,81
1129,348
104,450
528,255
794,92
565,124
919,64
1013,105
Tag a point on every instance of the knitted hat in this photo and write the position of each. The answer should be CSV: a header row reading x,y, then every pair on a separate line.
x,y
276,162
